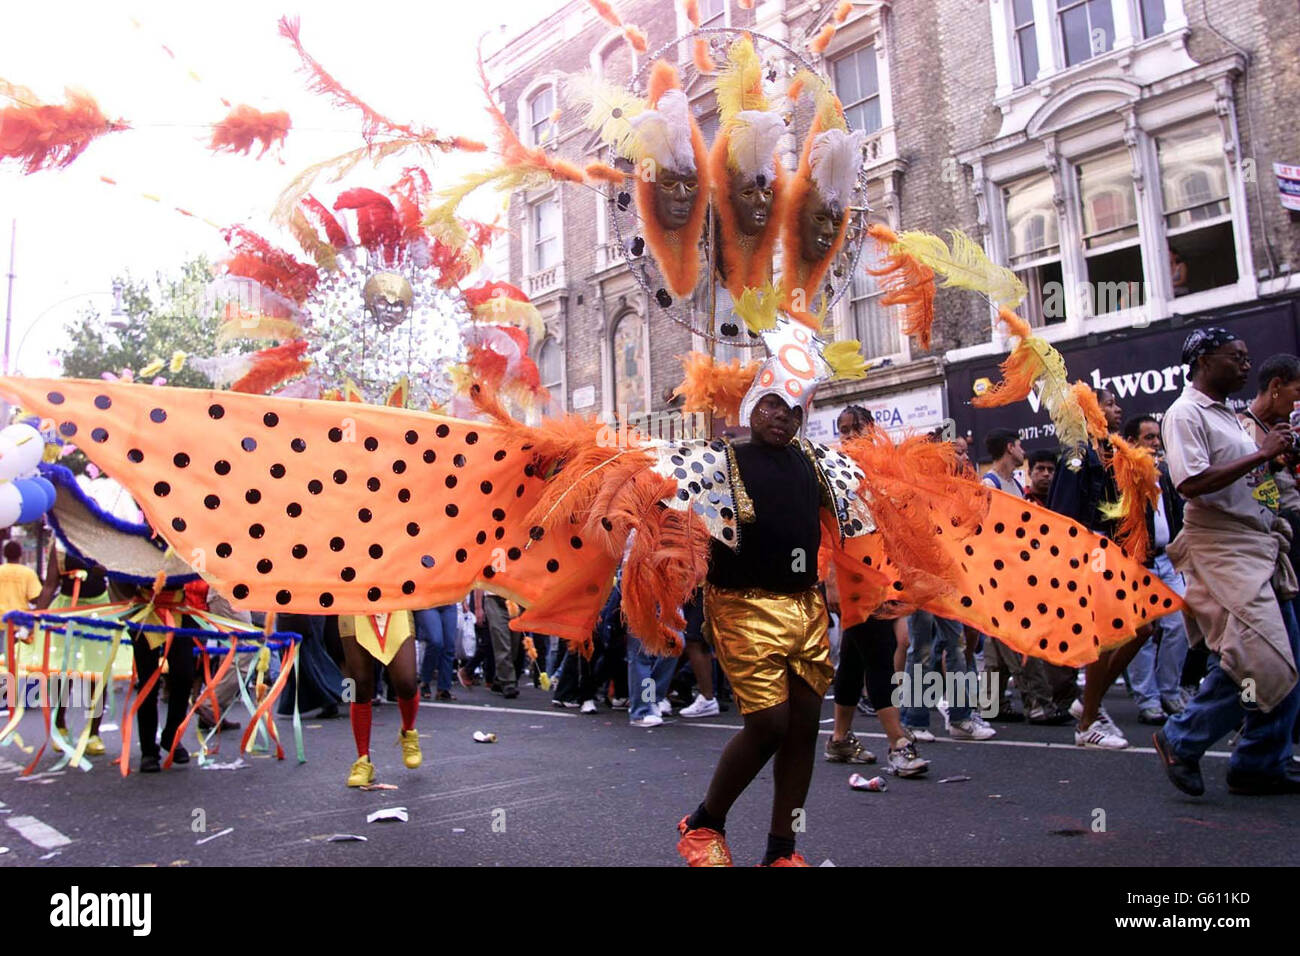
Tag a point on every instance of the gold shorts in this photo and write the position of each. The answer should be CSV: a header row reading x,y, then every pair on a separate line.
x,y
760,637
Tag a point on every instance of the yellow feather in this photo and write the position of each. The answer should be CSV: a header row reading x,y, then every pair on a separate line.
x,y
828,113
239,324
609,108
964,266
845,358
740,84
311,242
757,307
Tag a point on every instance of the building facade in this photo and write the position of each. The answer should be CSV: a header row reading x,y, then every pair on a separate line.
x,y
1117,154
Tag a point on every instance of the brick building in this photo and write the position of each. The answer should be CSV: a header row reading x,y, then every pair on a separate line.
x,y
1081,141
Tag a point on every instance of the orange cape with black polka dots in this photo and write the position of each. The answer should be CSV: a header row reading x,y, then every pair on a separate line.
x,y
323,507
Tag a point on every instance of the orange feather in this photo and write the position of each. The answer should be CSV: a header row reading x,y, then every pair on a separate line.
x,y
244,125
842,11
1092,413
692,10
274,366
636,38
907,282
715,387
823,39
605,172
41,136
703,62
1138,483
606,12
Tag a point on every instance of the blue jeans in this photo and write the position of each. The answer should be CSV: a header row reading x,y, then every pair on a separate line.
x,y
438,628
931,637
1155,670
1265,743
648,679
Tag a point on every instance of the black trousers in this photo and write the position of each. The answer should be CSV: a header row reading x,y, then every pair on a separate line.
x,y
866,651
179,677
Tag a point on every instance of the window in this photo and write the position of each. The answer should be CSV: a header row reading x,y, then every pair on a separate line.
x,y
1034,248
550,366
713,13
874,325
546,233
1026,40
858,88
1198,212
1153,17
630,366
1087,29
540,108
1110,232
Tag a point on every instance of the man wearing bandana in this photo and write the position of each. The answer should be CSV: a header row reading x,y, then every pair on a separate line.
x,y
1233,551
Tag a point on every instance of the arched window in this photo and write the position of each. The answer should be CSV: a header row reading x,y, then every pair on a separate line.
x,y
630,365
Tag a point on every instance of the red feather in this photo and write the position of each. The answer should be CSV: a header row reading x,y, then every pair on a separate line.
x,y
485,291
378,227
274,366
244,126
42,136
255,258
334,231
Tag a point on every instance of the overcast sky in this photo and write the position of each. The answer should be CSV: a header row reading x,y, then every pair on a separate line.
x,y
410,61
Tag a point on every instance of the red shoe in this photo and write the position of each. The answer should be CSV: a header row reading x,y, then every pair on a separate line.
x,y
794,859
702,846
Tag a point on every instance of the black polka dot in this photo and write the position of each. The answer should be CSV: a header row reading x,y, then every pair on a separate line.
x,y
222,467
239,591
499,514
412,529
1042,608
1042,644
489,571
162,489
224,550
372,443
54,398
364,515
499,455
452,511
216,411
1108,574
462,555
443,431
999,527
471,438
67,429
485,487
1064,646
178,524
412,437
1074,532
536,532
283,597
99,435
298,445
575,543
277,470
376,551
430,456
181,460
299,551
459,461
513,554
315,487
157,416
404,495
1121,594
270,419
264,566
519,492
1033,580
408,587
529,471
348,574
967,601
374,594
335,435
256,531
326,599
480,538
248,444
212,502
135,455
552,565
451,481
427,560
337,543
998,564
399,466
252,496
340,476
1024,623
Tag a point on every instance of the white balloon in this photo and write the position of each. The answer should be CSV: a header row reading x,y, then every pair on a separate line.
x,y
21,448
11,504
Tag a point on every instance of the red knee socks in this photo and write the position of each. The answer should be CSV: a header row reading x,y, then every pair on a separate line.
x,y
408,707
360,714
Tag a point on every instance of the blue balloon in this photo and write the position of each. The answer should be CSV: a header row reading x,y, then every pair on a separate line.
x,y
51,494
35,501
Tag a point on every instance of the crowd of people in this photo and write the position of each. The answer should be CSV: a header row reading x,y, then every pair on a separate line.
x,y
757,640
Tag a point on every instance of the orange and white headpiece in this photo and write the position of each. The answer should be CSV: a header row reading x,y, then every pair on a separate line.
x,y
834,161
794,368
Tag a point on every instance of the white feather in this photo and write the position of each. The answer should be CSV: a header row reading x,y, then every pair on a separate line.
x,y
753,138
835,159
224,369
664,134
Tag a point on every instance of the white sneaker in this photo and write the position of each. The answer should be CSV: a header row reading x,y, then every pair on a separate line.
x,y
649,720
665,708
969,730
1097,737
700,707
904,761
919,733
1076,709
980,721
618,703
589,707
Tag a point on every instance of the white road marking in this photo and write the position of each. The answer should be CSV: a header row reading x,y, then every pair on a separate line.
x,y
214,836
34,831
502,710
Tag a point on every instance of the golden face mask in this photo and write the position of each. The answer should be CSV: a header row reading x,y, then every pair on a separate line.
x,y
388,297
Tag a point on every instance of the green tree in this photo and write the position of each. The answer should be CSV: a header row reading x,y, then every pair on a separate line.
x,y
169,314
